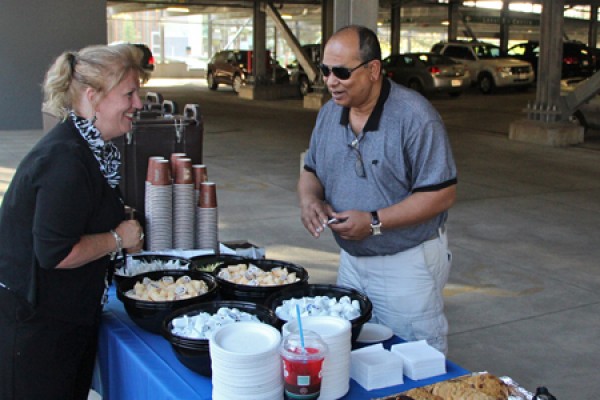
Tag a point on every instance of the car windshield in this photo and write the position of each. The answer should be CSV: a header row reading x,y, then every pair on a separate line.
x,y
239,57
487,51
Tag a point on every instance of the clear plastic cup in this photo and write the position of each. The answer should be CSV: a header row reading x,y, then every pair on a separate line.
x,y
302,366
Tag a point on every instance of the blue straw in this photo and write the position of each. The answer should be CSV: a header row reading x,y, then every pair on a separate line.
x,y
300,328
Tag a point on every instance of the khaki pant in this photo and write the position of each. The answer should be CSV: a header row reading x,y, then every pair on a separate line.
x,y
406,289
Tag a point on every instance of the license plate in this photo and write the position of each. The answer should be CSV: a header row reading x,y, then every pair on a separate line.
x,y
455,82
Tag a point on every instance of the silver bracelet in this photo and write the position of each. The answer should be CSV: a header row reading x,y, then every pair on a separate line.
x,y
119,241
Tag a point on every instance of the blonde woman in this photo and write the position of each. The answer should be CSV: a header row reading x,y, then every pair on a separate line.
x,y
61,221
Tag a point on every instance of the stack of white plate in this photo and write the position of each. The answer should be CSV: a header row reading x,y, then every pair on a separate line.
x,y
336,332
245,362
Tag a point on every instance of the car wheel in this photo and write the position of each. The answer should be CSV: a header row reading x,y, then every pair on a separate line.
x,y
304,86
486,84
415,85
237,83
210,80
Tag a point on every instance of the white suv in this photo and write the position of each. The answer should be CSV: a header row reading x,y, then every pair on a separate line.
x,y
488,68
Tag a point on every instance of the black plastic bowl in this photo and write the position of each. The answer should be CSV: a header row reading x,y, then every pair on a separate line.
x,y
149,315
332,291
149,258
258,294
194,353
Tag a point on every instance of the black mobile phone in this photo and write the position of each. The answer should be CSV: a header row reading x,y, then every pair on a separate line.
x,y
335,220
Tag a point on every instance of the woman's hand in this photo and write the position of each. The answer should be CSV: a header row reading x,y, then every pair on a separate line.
x,y
132,235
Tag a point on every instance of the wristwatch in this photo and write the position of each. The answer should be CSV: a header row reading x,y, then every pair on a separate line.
x,y
119,244
375,224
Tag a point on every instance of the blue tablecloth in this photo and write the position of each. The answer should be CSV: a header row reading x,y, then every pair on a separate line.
x,y
136,364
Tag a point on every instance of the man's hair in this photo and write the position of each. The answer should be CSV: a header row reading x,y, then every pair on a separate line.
x,y
369,47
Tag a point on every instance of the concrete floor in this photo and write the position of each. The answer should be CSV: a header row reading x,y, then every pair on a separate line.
x,y
523,298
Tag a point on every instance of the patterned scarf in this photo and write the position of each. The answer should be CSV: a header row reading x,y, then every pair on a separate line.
x,y
106,153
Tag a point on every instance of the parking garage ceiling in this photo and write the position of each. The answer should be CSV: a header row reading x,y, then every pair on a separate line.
x,y
223,5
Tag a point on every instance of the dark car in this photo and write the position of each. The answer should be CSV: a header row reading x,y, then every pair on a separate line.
x,y
577,59
148,59
297,74
427,73
234,67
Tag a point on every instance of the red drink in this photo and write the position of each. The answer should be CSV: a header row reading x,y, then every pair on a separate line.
x,y
302,367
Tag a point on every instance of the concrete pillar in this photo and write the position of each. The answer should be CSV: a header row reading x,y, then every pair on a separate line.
x,y
259,42
550,64
593,30
395,27
453,19
504,26
209,36
355,12
326,20
543,123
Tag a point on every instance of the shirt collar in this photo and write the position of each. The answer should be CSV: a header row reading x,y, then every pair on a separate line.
x,y
373,121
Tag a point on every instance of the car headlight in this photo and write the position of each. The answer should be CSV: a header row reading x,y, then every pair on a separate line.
x,y
504,70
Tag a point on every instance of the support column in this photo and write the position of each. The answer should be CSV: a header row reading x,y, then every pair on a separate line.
x,y
543,124
593,30
355,12
326,21
395,27
504,25
549,68
259,42
453,19
263,86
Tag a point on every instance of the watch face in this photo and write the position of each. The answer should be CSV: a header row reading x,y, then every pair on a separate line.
x,y
376,229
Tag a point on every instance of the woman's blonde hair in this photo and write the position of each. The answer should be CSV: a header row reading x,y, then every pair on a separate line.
x,y
100,67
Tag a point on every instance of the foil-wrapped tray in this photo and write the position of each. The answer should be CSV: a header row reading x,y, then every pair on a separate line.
x,y
513,390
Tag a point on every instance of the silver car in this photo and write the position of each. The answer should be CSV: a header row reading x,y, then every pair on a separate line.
x,y
427,73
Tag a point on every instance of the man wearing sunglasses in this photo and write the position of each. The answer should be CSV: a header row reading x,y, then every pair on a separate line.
x,y
380,163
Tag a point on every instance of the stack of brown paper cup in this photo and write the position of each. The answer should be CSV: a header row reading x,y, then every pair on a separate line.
x,y
183,205
200,174
173,159
207,218
159,205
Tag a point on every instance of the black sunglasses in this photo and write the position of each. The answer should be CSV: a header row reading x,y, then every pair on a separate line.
x,y
359,164
342,73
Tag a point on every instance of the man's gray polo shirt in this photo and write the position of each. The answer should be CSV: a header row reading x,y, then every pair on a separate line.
x,y
405,149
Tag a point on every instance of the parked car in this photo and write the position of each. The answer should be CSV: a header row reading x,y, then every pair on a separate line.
x,y
488,68
148,59
427,73
297,74
234,67
577,59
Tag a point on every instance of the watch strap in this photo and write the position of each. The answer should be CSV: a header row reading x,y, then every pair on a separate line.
x,y
375,223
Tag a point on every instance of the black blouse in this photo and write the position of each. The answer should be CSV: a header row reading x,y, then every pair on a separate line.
x,y
57,195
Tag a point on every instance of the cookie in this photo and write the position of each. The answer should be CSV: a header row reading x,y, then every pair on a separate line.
x,y
490,385
422,394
